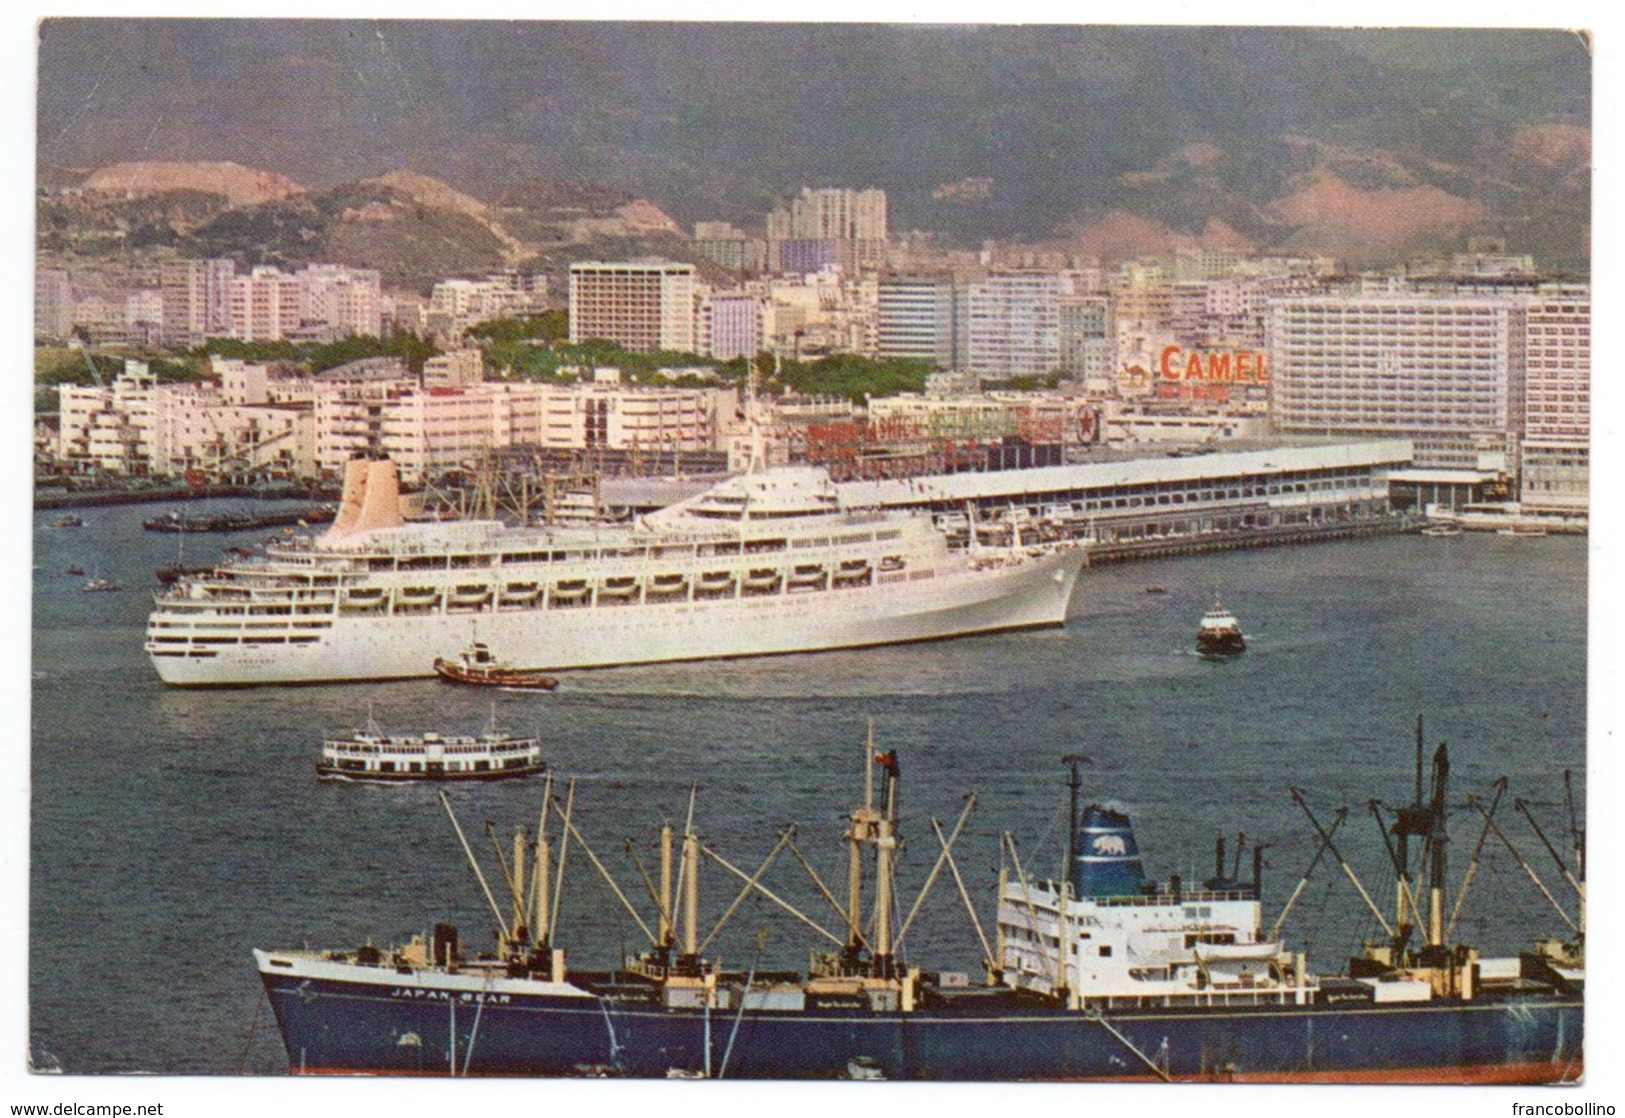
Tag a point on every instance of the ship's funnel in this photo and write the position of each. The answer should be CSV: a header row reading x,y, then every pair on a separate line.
x,y
355,488
381,505
1108,859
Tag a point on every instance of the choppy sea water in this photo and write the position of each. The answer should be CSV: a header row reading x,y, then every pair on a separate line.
x,y
173,831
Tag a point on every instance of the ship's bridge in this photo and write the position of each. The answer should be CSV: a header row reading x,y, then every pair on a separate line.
x,y
771,495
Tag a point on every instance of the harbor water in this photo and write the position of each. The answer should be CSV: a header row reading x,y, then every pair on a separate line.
x,y
174,831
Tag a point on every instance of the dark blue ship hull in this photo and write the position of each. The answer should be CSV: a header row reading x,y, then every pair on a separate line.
x,y
368,1028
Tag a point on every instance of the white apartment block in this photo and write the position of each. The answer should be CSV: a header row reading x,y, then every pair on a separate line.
x,y
110,429
1012,324
53,304
640,306
823,312
345,301
456,305
139,427
1446,373
731,324
831,213
197,299
455,369
427,432
1555,455
264,306
915,318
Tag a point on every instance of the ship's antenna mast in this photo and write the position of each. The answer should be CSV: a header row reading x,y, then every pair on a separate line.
x,y
1577,834
539,880
1074,782
885,862
1438,841
858,833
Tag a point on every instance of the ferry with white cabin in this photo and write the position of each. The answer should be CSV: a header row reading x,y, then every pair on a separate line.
x,y
374,756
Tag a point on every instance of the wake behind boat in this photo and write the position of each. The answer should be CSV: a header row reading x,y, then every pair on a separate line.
x,y
764,563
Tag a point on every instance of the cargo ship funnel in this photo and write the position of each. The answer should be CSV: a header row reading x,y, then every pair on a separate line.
x,y
1107,859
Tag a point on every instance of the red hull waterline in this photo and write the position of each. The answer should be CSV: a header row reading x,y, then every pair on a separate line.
x,y
1538,1074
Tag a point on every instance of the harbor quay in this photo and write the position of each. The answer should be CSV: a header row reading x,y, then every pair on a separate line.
x,y
1130,508
1158,506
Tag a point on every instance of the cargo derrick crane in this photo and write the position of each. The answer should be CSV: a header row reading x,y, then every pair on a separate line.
x,y
1419,915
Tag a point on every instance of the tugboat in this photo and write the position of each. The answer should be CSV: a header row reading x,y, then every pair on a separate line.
x,y
476,665
1220,634
373,756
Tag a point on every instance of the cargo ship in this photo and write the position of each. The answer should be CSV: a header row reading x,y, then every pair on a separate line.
x,y
764,563
1105,975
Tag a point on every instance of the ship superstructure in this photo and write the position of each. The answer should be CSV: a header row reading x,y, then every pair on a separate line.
x,y
1106,976
767,562
1137,943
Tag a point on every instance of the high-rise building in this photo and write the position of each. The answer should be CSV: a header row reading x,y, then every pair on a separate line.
x,y
640,306
732,324
856,219
1013,322
1088,341
264,305
343,301
1446,372
197,298
53,304
916,318
1555,456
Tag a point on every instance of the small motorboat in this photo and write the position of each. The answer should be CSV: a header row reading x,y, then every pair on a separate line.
x,y
100,585
1220,634
476,665
76,571
68,520
1156,590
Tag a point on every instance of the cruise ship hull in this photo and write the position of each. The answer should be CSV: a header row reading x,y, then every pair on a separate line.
x,y
1033,594
345,1022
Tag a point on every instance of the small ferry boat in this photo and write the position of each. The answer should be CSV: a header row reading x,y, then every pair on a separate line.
x,y
1220,633
373,756
476,664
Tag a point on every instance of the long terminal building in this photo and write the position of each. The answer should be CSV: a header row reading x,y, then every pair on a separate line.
x,y
1221,499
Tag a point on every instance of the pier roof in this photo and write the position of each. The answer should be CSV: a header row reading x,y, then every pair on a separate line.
x,y
1395,453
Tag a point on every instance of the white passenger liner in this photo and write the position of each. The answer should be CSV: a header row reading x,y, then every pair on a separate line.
x,y
763,563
